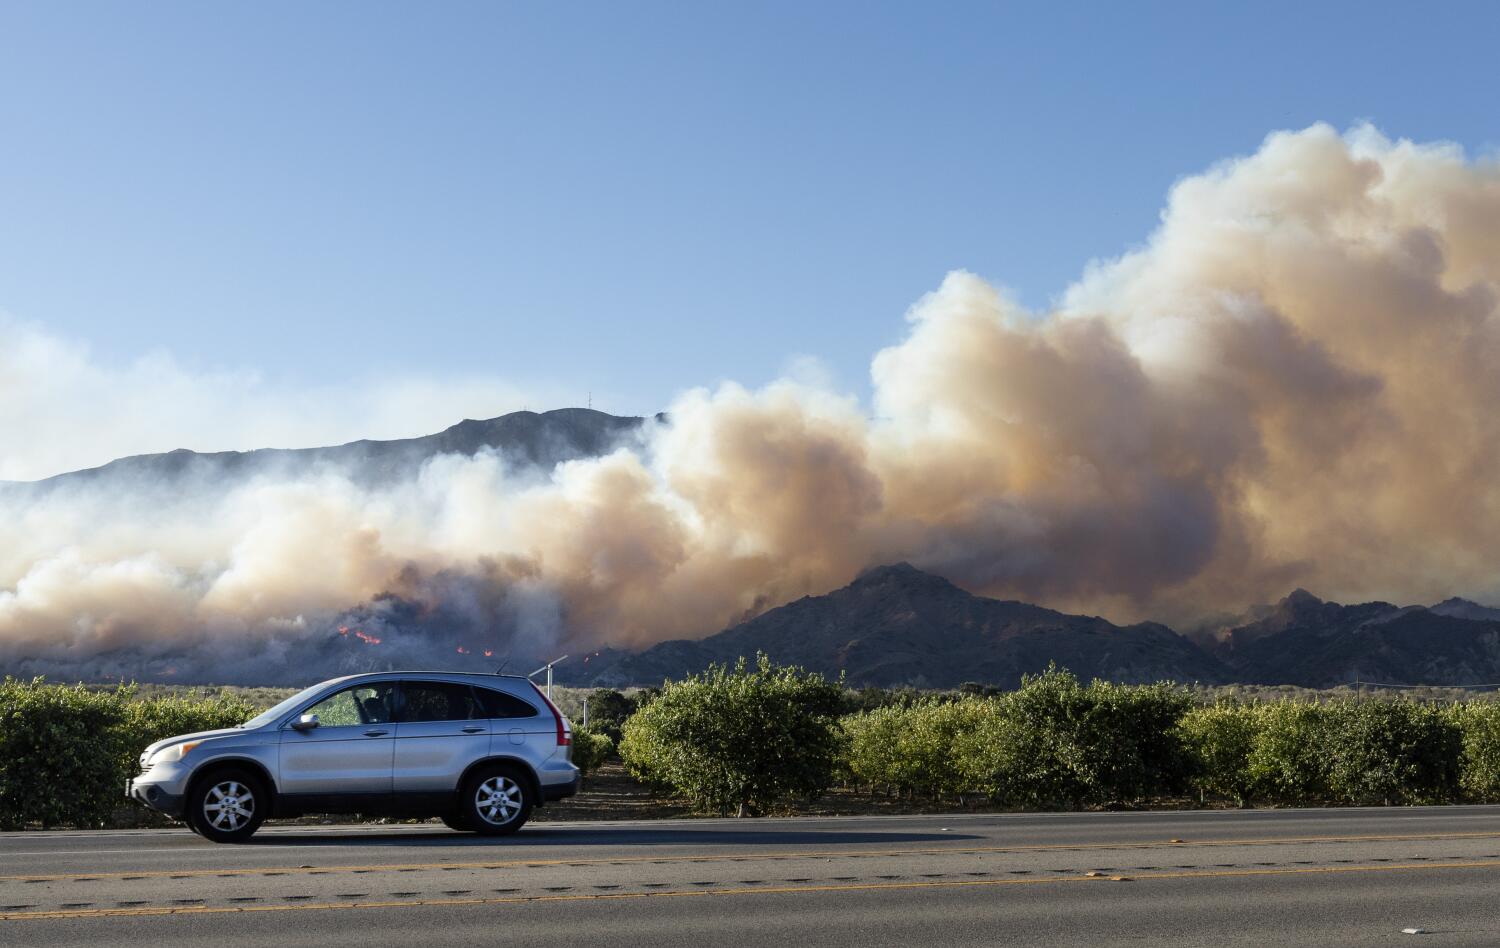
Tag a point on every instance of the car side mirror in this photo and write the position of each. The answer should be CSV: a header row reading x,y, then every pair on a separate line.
x,y
305,723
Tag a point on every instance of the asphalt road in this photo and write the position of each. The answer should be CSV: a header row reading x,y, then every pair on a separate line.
x,y
1288,877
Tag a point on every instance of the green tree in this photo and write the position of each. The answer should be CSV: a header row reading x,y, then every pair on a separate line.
x,y
1028,753
738,738
1391,752
913,749
1220,738
1135,741
65,752
590,750
872,748
1286,761
1055,741
607,711
1479,723
60,754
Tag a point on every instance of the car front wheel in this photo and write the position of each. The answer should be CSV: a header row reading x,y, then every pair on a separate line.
x,y
455,822
227,806
496,801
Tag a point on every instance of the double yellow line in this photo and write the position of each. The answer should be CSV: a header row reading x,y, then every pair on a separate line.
x,y
740,857
709,893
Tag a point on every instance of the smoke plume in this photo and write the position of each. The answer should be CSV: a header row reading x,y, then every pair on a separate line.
x,y
1292,382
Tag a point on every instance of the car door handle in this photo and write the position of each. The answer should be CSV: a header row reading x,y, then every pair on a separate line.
x,y
473,730
376,733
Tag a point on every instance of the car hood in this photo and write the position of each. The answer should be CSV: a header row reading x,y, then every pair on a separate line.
x,y
195,736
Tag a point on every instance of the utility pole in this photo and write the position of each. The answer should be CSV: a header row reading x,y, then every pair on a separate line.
x,y
548,669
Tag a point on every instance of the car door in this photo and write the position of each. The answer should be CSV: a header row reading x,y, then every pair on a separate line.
x,y
347,759
439,733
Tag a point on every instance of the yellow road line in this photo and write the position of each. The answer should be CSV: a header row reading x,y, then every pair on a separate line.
x,y
706,893
730,857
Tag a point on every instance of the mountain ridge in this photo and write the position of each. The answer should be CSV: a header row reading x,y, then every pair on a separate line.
x,y
896,625
524,438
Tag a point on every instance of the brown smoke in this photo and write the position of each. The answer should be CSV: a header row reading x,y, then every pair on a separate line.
x,y
1292,383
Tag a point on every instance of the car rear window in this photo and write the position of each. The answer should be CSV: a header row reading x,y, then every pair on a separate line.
x,y
498,704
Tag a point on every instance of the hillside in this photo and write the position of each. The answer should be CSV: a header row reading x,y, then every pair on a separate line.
x,y
896,625
1306,641
525,438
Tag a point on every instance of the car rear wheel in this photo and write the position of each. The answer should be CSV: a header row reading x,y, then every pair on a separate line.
x,y
496,801
227,806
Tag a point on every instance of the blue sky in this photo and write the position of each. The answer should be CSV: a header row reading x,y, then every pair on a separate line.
x,y
636,198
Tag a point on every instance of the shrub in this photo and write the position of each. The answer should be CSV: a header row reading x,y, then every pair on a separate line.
x,y
913,749
1286,762
60,754
1391,752
1479,767
870,698
590,749
66,752
607,711
1055,741
1027,752
742,737
932,743
1220,738
1135,740
871,749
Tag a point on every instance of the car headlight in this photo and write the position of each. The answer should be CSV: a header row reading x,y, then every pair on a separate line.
x,y
171,754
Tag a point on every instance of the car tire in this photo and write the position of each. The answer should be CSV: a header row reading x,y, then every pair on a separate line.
x,y
455,821
496,801
227,805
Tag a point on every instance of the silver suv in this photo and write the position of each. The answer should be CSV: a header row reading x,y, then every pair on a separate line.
x,y
478,750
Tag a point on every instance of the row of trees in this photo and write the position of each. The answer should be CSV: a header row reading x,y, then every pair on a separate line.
x,y
745,738
750,737
66,752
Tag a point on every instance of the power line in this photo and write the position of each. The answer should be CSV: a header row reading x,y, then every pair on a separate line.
x,y
1383,684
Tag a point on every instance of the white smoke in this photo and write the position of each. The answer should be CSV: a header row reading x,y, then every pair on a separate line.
x,y
1291,384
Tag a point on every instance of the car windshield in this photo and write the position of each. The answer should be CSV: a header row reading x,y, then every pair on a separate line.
x,y
271,714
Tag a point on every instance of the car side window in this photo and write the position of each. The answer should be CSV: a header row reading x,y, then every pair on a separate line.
x,y
437,701
361,704
498,704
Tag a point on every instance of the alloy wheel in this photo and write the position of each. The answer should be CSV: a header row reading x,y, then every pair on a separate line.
x,y
228,806
498,800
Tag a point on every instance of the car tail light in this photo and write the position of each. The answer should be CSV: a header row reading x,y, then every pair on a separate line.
x,y
564,736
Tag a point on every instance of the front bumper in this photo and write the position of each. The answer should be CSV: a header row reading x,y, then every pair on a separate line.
x,y
156,797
